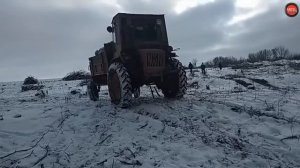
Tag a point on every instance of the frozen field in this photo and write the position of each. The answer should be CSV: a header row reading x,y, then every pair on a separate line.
x,y
230,119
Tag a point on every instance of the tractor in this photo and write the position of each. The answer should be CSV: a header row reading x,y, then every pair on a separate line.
x,y
139,54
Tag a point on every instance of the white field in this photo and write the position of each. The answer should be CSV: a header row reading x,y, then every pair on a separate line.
x,y
226,126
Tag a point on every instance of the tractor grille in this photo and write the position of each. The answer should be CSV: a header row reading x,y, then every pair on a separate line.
x,y
153,61
155,58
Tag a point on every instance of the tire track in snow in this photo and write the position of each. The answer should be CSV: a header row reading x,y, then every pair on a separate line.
x,y
181,114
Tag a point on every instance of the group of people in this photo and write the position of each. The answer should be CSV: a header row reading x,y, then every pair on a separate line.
x,y
202,67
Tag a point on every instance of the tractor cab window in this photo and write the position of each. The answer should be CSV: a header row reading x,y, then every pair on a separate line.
x,y
147,30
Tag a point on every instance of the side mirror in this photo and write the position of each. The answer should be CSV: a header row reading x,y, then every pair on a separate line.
x,y
110,29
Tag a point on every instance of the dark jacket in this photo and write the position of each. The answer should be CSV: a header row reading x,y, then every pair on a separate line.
x,y
202,66
191,66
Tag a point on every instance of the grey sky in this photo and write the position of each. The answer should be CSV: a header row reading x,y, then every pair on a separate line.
x,y
50,38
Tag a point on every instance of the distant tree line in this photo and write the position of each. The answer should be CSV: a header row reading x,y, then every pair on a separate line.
x,y
277,53
225,61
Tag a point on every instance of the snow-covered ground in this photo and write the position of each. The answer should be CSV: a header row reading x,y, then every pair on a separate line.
x,y
219,123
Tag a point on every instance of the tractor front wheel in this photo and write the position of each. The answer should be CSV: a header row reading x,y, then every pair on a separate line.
x,y
175,84
119,85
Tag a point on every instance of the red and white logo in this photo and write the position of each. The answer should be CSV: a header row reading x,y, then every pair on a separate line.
x,y
291,9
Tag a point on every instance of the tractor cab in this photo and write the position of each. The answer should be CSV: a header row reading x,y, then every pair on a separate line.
x,y
139,31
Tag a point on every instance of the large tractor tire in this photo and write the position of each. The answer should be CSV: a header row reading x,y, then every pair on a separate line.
x,y
119,85
175,85
93,91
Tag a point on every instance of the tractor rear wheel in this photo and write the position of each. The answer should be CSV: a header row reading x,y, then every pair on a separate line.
x,y
92,90
119,85
175,85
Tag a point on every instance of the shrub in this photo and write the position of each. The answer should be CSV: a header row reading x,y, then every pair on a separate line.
x,y
76,75
30,80
31,87
40,94
295,66
225,61
294,57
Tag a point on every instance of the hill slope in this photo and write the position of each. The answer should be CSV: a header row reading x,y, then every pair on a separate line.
x,y
247,118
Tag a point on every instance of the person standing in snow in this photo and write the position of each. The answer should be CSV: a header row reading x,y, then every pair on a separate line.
x,y
191,67
203,68
220,66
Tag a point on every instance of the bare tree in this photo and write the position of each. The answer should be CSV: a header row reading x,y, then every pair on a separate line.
x,y
280,53
283,52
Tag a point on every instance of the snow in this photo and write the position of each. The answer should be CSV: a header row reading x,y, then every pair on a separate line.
x,y
225,126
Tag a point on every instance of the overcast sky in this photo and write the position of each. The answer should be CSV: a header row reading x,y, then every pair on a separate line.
x,y
49,38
